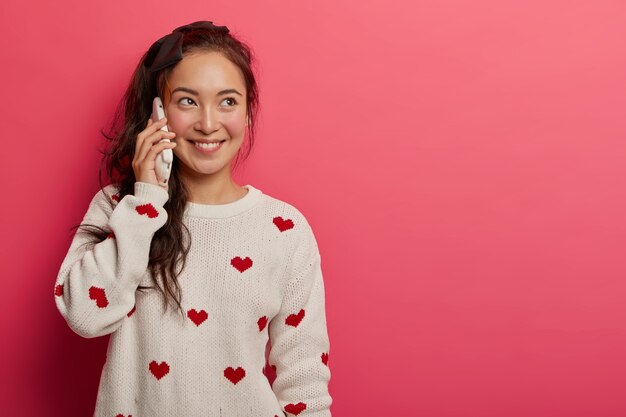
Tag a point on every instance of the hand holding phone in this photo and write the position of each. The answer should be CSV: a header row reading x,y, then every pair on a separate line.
x,y
163,162
152,161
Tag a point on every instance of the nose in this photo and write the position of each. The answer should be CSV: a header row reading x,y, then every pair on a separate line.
x,y
207,121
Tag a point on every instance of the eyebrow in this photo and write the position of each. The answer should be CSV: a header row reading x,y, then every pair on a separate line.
x,y
195,93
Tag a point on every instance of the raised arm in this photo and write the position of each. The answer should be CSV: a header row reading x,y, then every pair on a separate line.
x,y
96,284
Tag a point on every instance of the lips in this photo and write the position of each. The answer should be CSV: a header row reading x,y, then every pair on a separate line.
x,y
207,141
202,147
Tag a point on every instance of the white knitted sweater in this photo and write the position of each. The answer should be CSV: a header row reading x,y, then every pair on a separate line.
x,y
253,276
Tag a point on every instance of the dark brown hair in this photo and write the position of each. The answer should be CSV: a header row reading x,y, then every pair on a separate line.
x,y
171,243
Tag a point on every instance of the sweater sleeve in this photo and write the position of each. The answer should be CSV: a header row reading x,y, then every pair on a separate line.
x,y
96,284
299,337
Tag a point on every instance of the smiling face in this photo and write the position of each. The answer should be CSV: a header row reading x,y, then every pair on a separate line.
x,y
205,101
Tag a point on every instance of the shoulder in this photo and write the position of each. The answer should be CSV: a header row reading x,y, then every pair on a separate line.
x,y
292,224
107,193
105,199
287,217
296,234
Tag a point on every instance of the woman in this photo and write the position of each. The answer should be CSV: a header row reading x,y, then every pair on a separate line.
x,y
193,277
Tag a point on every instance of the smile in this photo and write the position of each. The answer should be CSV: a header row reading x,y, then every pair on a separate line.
x,y
208,147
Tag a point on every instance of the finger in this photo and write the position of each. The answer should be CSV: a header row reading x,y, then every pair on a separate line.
x,y
151,128
140,136
146,139
158,148
154,138
148,164
148,145
158,136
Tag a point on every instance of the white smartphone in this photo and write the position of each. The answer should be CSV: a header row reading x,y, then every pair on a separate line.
x,y
163,162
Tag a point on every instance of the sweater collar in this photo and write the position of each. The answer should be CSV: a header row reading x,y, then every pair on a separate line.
x,y
221,211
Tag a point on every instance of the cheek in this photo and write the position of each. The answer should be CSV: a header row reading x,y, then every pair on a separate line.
x,y
234,122
179,122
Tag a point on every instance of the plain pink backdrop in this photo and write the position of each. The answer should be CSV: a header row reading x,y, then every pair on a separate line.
x,y
461,163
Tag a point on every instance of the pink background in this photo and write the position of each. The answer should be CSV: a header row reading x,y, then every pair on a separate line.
x,y
461,163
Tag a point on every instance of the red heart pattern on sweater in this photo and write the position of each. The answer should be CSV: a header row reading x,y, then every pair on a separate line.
x,y
241,264
295,408
148,210
270,372
159,370
122,415
283,224
115,197
58,290
99,295
198,317
295,319
234,375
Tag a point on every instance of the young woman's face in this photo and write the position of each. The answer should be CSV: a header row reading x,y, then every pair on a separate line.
x,y
205,101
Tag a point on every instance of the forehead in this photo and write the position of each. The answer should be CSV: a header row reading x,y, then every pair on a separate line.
x,y
206,72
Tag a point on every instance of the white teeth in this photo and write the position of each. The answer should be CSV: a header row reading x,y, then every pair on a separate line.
x,y
208,145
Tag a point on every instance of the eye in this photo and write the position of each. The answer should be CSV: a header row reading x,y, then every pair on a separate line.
x,y
232,99
186,101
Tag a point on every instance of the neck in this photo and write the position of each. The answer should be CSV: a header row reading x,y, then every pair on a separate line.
x,y
218,188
